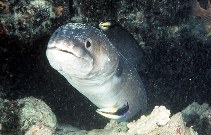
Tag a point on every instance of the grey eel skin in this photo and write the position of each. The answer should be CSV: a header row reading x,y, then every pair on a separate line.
x,y
102,66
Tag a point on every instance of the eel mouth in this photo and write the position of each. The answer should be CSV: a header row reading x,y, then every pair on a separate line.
x,y
62,50
69,52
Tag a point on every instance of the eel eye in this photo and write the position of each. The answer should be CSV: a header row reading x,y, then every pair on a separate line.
x,y
88,43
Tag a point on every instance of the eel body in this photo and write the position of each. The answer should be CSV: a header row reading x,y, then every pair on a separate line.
x,y
102,66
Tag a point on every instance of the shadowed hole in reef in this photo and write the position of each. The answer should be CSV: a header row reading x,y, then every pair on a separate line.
x,y
31,75
177,73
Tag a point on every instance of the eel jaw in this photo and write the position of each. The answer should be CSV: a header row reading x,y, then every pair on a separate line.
x,y
114,113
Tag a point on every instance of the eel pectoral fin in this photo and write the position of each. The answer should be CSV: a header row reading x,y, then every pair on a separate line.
x,y
114,113
108,113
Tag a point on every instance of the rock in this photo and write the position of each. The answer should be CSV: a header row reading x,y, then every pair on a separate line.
x,y
35,116
158,117
27,116
158,122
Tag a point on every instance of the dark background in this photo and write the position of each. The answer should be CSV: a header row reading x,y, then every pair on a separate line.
x,y
176,66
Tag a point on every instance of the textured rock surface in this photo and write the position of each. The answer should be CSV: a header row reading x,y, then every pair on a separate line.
x,y
32,116
27,116
176,70
27,21
158,122
158,117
